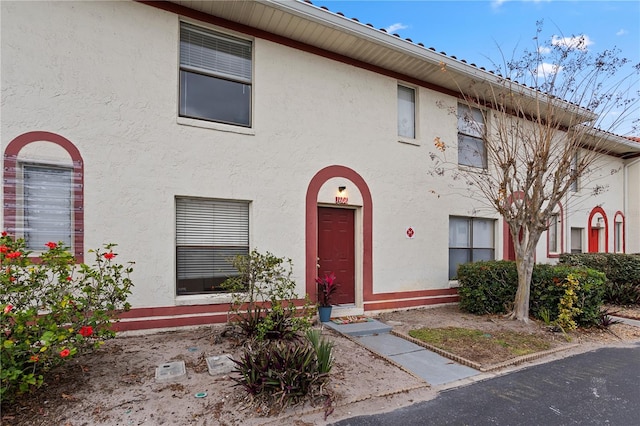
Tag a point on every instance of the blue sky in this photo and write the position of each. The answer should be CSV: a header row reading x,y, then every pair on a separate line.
x,y
478,31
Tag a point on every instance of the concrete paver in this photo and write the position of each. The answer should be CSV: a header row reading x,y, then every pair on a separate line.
x,y
433,368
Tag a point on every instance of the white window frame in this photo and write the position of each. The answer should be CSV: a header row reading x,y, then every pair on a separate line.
x,y
575,185
471,130
618,230
577,241
406,97
209,233
222,58
554,232
473,248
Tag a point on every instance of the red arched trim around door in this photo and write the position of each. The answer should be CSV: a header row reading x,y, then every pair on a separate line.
x,y
311,226
592,243
10,163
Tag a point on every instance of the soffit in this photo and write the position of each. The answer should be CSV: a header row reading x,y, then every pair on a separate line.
x,y
325,30
319,28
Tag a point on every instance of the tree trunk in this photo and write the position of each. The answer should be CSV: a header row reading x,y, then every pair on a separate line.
x,y
524,266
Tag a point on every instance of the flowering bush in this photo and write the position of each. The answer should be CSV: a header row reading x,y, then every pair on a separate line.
x,y
326,288
53,309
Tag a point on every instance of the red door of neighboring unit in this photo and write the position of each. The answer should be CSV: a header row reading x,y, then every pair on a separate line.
x,y
594,240
336,250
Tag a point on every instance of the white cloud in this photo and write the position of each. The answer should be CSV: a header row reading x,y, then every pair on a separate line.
x,y
544,50
545,69
576,42
497,3
622,32
395,27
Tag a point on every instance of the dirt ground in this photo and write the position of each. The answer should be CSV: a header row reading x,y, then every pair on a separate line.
x,y
117,385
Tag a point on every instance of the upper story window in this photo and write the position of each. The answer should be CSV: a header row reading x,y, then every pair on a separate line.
x,y
471,239
574,169
215,76
471,129
406,112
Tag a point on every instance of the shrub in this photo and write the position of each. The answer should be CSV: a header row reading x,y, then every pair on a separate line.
x,y
622,286
54,309
549,284
264,297
284,372
490,288
487,287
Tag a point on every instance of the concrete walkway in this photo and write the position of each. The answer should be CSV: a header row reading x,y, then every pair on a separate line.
x,y
627,321
377,337
433,368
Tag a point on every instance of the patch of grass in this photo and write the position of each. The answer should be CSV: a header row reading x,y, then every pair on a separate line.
x,y
479,346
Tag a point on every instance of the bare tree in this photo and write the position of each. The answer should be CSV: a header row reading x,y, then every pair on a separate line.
x,y
531,130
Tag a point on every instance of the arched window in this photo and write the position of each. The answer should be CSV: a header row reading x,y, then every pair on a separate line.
x,y
43,191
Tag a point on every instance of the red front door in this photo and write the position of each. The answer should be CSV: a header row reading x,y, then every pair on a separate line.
x,y
336,250
594,240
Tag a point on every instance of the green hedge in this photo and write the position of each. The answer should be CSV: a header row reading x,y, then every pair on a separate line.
x,y
490,288
622,285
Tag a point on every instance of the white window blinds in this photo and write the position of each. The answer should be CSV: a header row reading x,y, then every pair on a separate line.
x,y
206,51
47,206
209,234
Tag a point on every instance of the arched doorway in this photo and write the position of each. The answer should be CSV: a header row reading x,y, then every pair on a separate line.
x,y
598,231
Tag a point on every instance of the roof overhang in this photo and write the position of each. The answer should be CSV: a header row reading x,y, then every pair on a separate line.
x,y
609,143
321,29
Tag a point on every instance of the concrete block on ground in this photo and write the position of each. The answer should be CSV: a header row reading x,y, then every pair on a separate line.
x,y
171,371
220,364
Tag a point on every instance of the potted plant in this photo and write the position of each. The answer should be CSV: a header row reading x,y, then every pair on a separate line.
x,y
327,286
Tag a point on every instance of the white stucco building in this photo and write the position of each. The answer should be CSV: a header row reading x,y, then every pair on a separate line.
x,y
186,132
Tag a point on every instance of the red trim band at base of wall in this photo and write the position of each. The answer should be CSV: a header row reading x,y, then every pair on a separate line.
x,y
148,324
193,315
414,303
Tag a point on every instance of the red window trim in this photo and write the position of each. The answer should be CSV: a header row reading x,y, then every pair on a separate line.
x,y
10,162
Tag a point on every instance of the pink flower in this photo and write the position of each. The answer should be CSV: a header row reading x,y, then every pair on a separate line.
x,y
4,249
8,309
51,245
109,255
4,233
65,353
86,330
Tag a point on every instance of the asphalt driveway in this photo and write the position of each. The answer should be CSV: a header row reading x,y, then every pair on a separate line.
x,y
601,387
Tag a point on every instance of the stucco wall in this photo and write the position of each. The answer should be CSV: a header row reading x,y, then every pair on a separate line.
x,y
105,76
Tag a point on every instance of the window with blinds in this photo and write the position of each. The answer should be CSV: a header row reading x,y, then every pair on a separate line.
x,y
209,234
215,76
471,149
47,208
